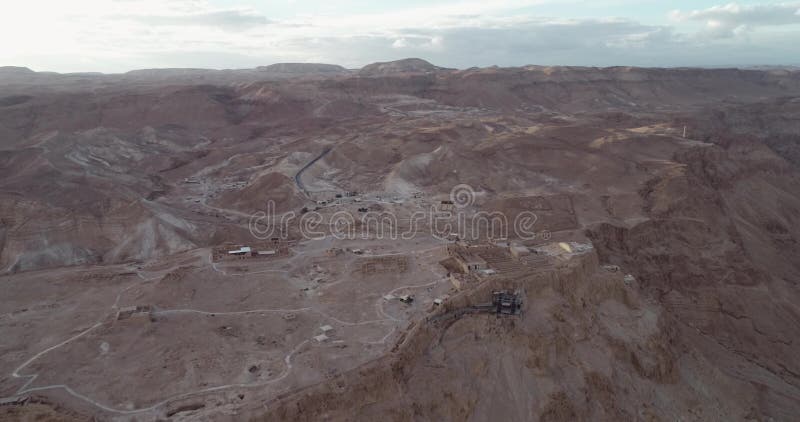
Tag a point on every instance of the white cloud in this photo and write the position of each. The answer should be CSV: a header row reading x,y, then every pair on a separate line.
x,y
733,19
400,43
225,19
430,43
119,35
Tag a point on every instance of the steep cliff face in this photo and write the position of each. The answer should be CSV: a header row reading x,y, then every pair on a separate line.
x,y
720,254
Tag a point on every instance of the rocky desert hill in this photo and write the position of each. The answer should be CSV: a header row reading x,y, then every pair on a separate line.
x,y
412,65
303,68
687,178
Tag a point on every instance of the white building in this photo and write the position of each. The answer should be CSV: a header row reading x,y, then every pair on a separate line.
x,y
241,251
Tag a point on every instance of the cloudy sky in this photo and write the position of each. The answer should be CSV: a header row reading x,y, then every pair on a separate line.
x,y
120,35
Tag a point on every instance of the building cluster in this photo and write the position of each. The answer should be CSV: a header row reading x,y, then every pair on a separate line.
x,y
272,248
484,258
466,257
134,312
329,197
326,332
245,251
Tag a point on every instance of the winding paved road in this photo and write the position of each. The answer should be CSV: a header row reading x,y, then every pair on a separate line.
x,y
298,177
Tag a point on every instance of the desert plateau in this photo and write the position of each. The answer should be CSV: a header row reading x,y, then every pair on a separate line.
x,y
400,242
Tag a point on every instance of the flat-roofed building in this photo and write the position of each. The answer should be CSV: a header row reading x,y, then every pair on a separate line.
x,y
466,259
